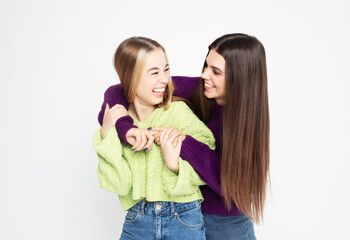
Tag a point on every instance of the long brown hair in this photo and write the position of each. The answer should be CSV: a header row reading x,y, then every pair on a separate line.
x,y
129,61
246,124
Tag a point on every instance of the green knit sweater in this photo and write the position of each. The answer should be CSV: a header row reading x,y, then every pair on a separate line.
x,y
135,176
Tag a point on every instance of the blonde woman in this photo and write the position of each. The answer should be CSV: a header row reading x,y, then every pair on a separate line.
x,y
159,190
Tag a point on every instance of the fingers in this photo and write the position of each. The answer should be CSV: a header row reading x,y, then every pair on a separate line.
x,y
160,135
174,139
165,135
159,129
179,141
138,140
118,106
157,138
118,109
143,140
149,142
116,112
142,144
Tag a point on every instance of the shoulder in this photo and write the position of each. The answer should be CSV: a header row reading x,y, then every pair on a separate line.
x,y
112,90
179,106
185,86
114,93
184,79
179,110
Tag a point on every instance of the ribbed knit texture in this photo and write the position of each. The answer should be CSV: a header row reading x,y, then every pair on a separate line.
x,y
135,176
205,161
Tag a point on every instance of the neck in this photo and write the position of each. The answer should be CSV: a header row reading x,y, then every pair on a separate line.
x,y
140,110
220,101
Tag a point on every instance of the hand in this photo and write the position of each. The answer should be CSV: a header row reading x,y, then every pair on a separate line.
x,y
111,116
140,139
158,131
170,151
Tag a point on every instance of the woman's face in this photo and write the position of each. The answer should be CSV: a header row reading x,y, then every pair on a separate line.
x,y
214,77
154,79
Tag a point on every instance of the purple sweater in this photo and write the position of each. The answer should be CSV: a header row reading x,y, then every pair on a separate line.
x,y
205,161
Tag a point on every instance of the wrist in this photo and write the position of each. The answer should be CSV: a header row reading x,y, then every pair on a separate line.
x,y
102,132
173,167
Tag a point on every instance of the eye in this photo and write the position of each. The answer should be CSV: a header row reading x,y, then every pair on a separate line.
x,y
216,72
167,69
154,73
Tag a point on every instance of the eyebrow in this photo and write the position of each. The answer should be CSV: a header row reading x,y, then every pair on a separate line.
x,y
155,68
216,68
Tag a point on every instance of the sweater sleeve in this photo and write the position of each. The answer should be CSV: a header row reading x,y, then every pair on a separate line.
x,y
184,183
185,86
115,95
204,160
113,171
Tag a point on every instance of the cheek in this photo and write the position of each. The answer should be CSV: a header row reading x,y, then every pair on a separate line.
x,y
223,87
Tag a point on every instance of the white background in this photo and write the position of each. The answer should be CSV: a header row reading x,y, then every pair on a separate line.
x,y
56,62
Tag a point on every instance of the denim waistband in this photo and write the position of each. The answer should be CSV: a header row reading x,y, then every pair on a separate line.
x,y
157,208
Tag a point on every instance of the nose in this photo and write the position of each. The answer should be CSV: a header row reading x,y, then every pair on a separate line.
x,y
205,74
164,78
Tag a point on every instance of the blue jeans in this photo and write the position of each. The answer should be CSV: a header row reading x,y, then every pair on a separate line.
x,y
228,228
164,220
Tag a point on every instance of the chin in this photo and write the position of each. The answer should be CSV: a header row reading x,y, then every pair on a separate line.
x,y
208,95
157,102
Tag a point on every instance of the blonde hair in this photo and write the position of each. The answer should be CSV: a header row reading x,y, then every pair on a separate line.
x,y
129,61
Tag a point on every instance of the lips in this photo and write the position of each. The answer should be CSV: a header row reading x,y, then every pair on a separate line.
x,y
208,86
158,90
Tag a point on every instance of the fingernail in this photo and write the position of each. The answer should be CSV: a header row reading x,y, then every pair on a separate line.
x,y
133,149
145,149
150,128
136,151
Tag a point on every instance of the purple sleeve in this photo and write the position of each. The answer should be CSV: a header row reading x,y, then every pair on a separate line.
x,y
205,161
185,86
115,95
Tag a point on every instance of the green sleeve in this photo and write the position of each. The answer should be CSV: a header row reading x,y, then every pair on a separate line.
x,y
113,171
186,182
189,124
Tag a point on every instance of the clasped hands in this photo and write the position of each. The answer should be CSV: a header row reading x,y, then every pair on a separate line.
x,y
169,139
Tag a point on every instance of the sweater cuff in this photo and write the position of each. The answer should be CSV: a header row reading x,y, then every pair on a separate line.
x,y
123,125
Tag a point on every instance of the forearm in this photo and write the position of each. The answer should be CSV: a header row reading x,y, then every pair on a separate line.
x,y
115,95
204,160
185,86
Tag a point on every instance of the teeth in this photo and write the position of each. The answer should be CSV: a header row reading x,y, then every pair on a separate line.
x,y
159,90
208,85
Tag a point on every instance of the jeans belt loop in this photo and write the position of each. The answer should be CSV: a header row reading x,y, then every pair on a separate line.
x,y
172,208
143,205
